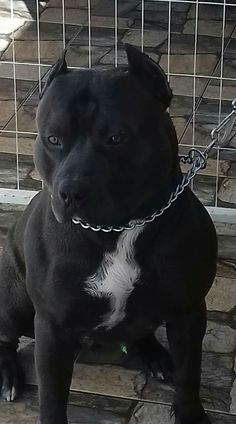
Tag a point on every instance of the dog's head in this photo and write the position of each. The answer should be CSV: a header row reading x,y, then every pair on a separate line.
x,y
106,147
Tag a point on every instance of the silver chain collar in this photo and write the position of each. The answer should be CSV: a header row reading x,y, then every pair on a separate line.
x,y
195,158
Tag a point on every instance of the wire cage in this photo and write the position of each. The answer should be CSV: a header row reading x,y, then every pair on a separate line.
x,y
194,41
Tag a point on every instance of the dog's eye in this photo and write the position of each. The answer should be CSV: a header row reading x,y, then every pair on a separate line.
x,y
53,140
116,139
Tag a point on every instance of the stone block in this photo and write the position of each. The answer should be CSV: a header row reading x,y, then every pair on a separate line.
x,y
151,38
232,171
183,86
228,154
156,19
23,72
218,418
226,269
147,413
72,4
225,228
8,171
180,124
208,111
27,51
204,187
184,44
25,410
72,16
226,248
227,191
156,6
79,55
8,25
214,29
100,37
109,58
8,145
219,338
212,169
7,89
22,8
4,43
200,133
7,108
181,106
184,63
233,398
48,31
102,379
214,89
106,7
222,296
209,11
214,398
151,414
109,22
118,406
108,379
26,119
217,367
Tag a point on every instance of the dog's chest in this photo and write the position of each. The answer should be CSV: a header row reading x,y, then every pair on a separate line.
x,y
116,277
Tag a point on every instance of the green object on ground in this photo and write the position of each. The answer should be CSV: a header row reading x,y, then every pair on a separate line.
x,y
123,349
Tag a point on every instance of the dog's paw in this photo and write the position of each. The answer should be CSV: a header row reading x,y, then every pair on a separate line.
x,y
204,420
199,417
157,360
10,375
161,367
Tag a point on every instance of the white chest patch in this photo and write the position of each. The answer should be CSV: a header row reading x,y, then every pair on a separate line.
x,y
116,276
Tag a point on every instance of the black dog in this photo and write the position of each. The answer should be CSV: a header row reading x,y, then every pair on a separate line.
x,y
107,152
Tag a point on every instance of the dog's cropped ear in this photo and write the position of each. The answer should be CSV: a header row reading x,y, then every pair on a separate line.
x,y
151,74
60,67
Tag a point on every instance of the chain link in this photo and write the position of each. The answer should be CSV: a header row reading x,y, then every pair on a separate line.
x,y
195,158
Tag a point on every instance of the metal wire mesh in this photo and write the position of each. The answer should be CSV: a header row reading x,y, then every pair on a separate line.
x,y
97,29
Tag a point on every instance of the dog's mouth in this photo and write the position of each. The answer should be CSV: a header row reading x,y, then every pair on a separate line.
x,y
59,217
87,223
66,215
89,216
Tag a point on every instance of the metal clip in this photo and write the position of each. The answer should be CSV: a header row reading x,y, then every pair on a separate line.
x,y
234,105
227,124
198,158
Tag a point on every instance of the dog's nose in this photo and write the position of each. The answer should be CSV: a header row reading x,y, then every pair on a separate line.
x,y
70,195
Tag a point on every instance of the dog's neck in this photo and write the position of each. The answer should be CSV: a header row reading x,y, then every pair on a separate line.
x,y
159,198
153,203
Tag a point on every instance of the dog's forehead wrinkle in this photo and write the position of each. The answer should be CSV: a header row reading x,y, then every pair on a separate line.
x,y
68,105
115,97
69,85
81,93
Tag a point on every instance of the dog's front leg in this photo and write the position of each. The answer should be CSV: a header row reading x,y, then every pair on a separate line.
x,y
55,353
185,337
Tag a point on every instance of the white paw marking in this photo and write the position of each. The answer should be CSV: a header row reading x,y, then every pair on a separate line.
x,y
116,276
13,393
10,394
